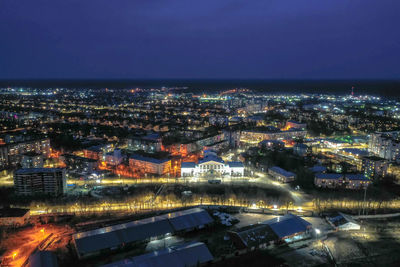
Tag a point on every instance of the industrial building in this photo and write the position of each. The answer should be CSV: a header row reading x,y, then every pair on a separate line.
x,y
187,255
287,228
43,259
121,235
344,222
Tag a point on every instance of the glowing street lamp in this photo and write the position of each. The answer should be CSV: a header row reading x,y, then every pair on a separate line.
x,y
14,255
42,231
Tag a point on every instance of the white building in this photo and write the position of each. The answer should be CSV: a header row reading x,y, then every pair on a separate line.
x,y
344,222
385,145
212,166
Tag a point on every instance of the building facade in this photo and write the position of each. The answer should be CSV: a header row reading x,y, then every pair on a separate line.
x,y
48,181
212,166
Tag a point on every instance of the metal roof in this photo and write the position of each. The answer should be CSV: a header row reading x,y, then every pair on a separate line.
x,y
43,259
288,225
186,255
113,236
282,171
329,176
187,219
188,165
116,235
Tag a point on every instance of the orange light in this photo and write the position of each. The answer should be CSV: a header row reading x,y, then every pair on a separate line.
x,y
14,255
42,230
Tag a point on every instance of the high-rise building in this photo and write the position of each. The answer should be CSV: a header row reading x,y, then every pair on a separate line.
x,y
385,145
11,153
374,167
49,181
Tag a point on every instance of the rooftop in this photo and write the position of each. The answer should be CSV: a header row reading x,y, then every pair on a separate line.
x,y
190,254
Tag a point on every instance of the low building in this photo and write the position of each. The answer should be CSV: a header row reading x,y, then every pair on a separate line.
x,y
336,180
281,174
356,181
289,227
343,222
212,166
43,259
256,236
48,181
114,237
186,255
150,165
328,180
14,217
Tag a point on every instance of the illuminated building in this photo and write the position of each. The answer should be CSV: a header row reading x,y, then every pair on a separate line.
x,y
147,164
374,167
295,125
253,136
79,164
113,158
385,145
32,160
212,166
336,180
48,181
281,174
12,153
149,143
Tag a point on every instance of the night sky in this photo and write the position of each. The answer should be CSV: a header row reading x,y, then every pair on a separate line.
x,y
215,39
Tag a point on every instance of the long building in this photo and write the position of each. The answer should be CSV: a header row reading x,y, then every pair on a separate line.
x,y
258,136
186,255
281,174
117,236
48,181
150,165
11,153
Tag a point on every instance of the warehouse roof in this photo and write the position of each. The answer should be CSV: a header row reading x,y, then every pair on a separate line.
x,y
186,255
288,225
43,259
187,219
113,236
116,235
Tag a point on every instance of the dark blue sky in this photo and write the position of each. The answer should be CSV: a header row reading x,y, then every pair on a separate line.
x,y
262,39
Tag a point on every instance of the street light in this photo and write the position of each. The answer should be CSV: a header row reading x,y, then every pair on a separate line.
x,y
14,255
317,231
42,231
